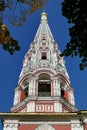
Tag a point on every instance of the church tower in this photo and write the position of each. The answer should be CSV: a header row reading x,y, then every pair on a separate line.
x,y
43,84
44,98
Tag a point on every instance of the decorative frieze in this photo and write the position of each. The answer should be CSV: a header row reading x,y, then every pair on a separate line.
x,y
44,108
11,125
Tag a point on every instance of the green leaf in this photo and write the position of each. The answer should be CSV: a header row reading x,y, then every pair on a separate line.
x,y
6,46
14,42
7,33
17,48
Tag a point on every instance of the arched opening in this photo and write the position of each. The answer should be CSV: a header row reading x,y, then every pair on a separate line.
x,y
64,90
25,86
44,85
44,126
62,87
44,57
24,90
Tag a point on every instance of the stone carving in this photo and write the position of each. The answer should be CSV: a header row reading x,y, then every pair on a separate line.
x,y
45,126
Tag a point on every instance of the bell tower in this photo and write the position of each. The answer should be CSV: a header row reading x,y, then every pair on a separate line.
x,y
44,84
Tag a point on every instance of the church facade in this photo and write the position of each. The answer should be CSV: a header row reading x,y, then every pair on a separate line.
x,y
44,98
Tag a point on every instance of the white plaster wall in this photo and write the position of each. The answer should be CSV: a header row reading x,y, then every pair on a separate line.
x,y
16,97
71,97
57,107
31,107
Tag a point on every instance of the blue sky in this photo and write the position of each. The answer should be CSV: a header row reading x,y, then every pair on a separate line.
x,y
10,66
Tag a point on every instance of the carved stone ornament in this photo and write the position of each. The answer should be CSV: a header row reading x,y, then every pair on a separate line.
x,y
45,126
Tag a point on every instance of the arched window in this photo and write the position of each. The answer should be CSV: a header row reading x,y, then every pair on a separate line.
x,y
44,85
44,56
25,86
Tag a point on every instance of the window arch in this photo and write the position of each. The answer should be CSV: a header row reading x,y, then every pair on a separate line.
x,y
25,86
45,126
44,56
44,85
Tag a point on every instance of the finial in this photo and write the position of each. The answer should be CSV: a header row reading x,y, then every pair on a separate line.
x,y
44,15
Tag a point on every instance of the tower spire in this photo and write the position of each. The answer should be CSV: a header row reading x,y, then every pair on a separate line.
x,y
44,77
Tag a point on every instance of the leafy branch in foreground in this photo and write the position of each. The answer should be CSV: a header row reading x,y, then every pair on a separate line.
x,y
7,42
76,13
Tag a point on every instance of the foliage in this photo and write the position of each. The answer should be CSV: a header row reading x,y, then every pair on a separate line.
x,y
8,43
33,4
76,13
16,11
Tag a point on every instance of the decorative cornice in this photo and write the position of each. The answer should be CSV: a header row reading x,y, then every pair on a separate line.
x,y
59,114
60,117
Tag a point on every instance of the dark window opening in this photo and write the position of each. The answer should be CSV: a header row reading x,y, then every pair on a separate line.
x,y
43,43
44,86
44,89
62,93
44,38
25,87
44,57
62,86
26,91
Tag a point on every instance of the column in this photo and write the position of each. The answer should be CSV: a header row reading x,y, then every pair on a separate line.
x,y
16,96
56,85
71,97
30,87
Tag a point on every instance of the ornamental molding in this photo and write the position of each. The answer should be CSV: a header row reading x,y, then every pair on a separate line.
x,y
57,98
44,70
25,76
23,103
45,126
36,73
39,122
11,123
64,77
